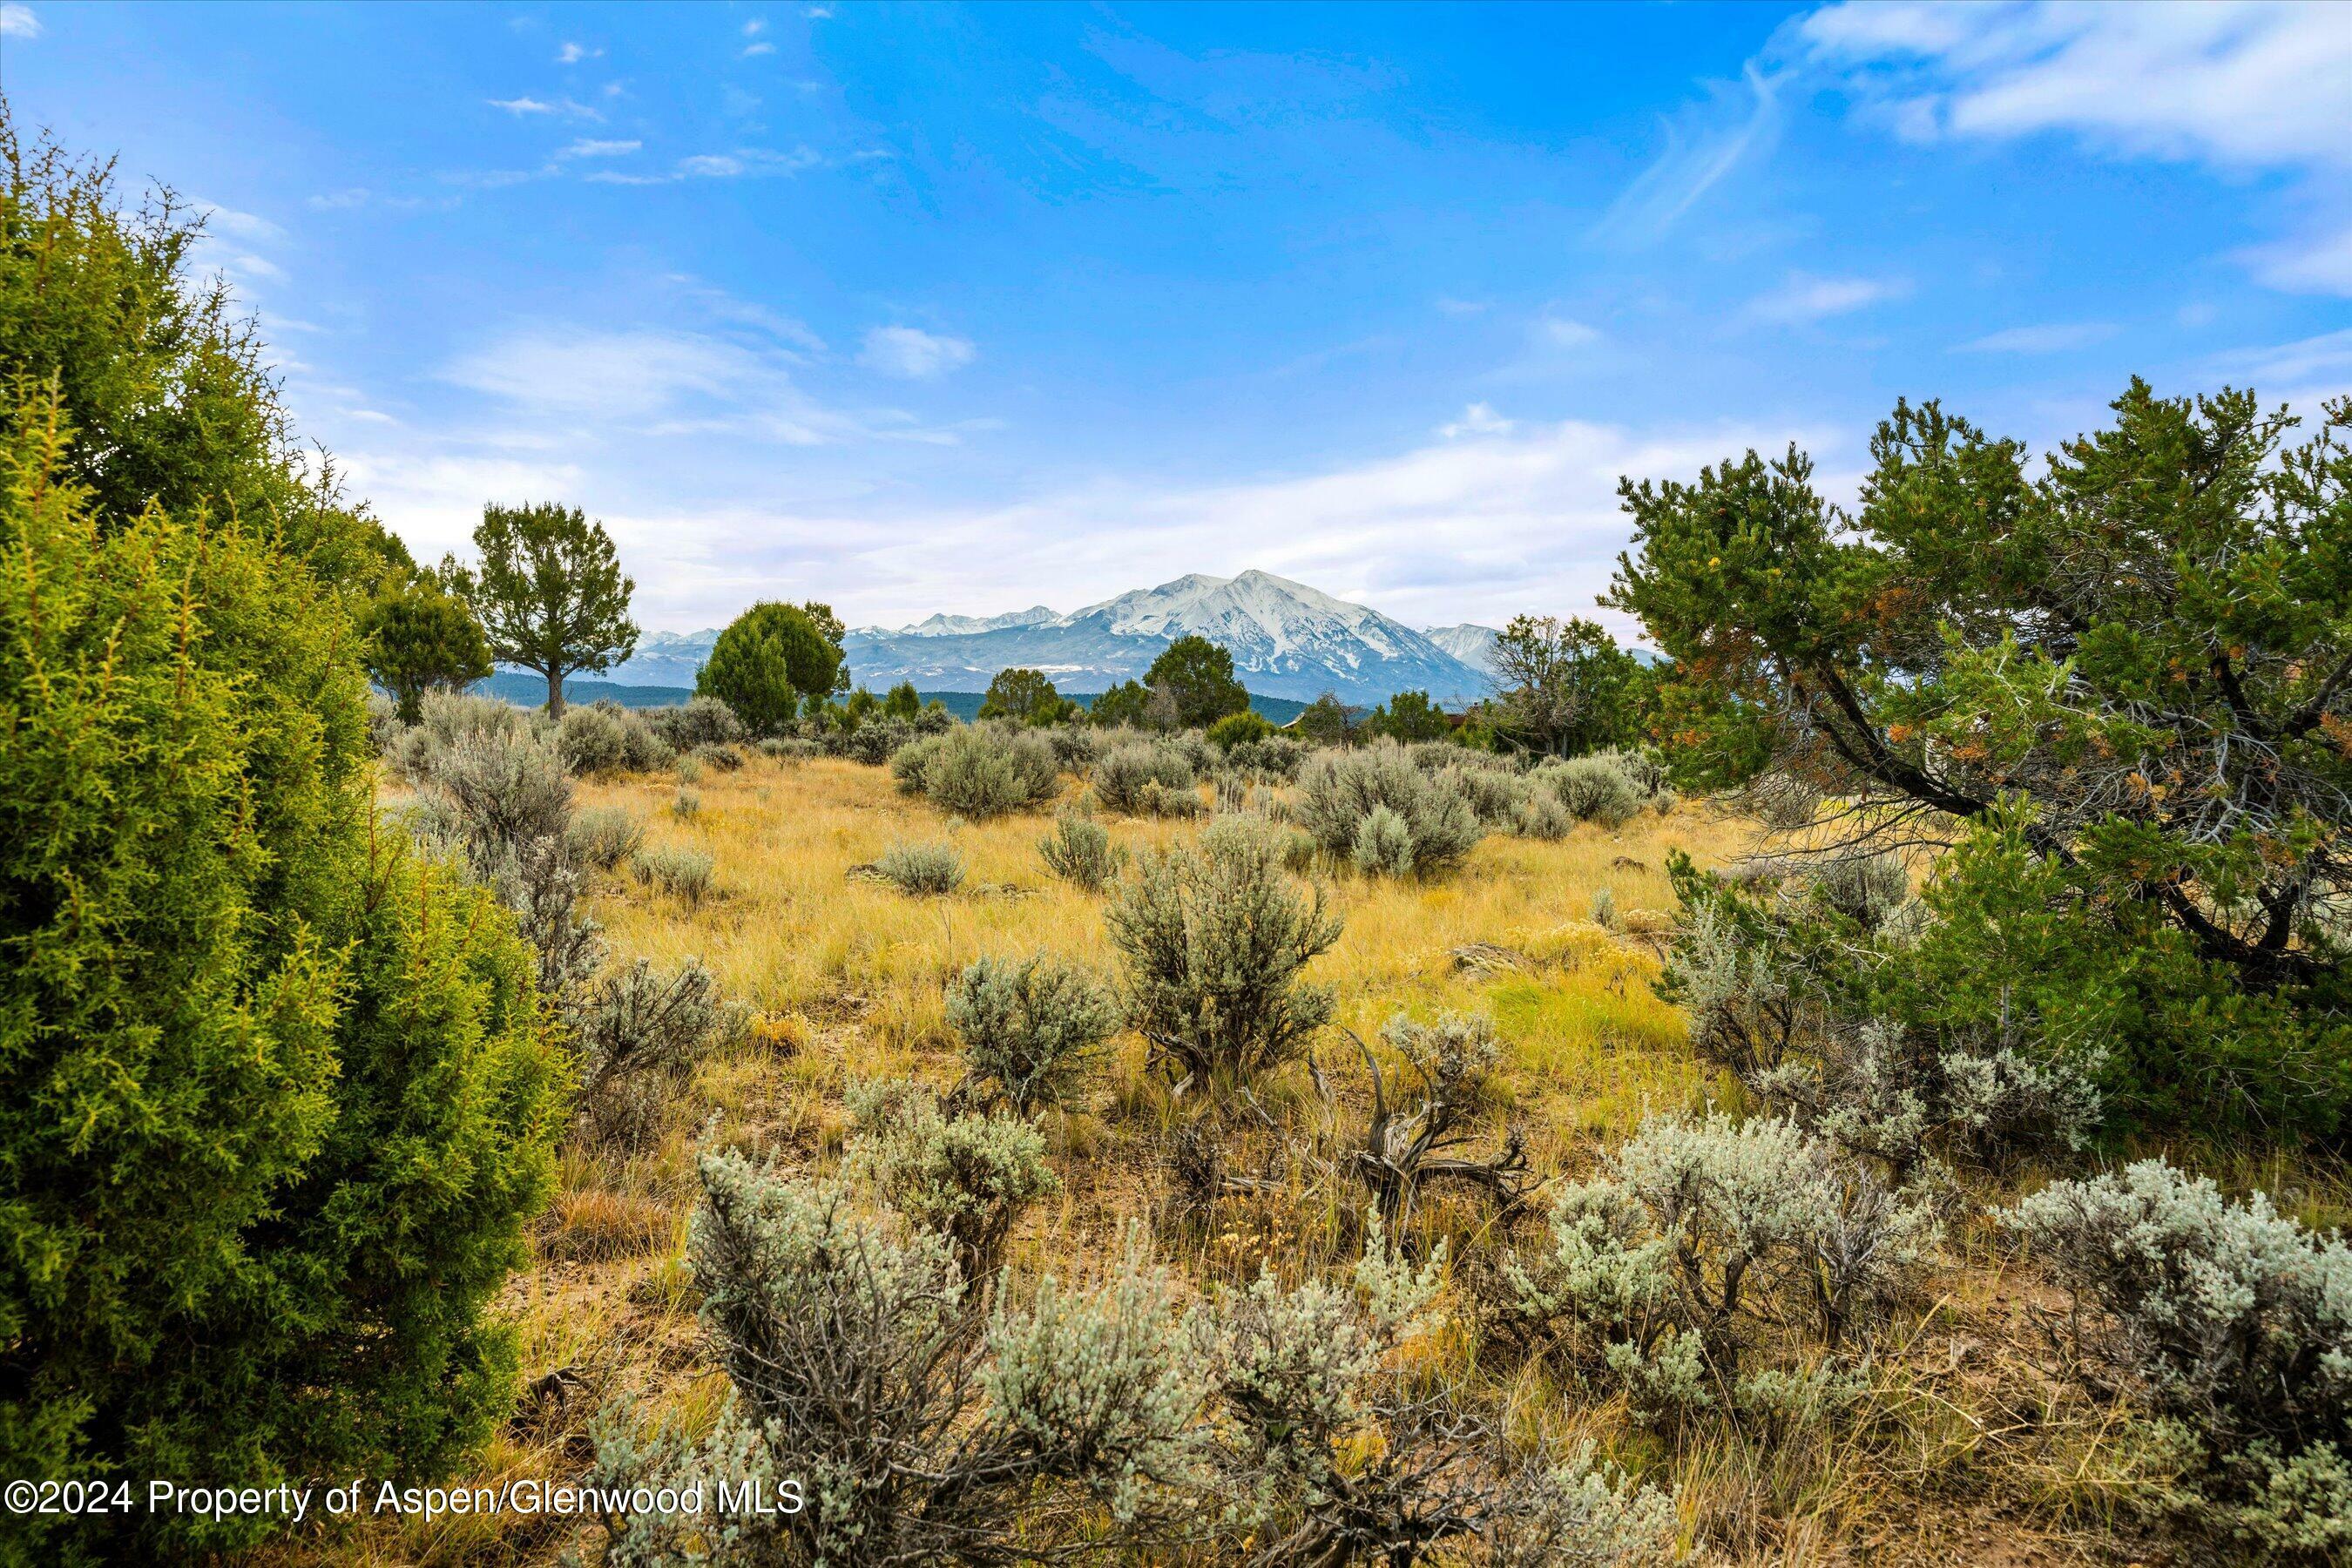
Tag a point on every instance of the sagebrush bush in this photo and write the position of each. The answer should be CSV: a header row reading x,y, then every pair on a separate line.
x,y
1339,793
1274,757
509,789
1596,788
1080,852
924,1430
1866,888
595,740
605,836
1498,796
726,758
874,742
2228,1318
1746,974
1666,1266
687,803
966,1177
1541,814
681,872
640,1031
980,771
698,721
1137,778
922,870
447,716
1214,938
1030,1029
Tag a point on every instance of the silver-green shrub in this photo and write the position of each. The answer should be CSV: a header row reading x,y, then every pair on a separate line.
x,y
1383,845
687,803
1137,777
683,873
698,721
605,836
1030,1029
446,718
966,1177
917,1429
1214,938
980,772
1340,791
1080,852
2230,1319
1597,788
1665,1267
640,1032
924,871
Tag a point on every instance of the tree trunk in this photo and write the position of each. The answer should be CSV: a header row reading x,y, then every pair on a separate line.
x,y
555,693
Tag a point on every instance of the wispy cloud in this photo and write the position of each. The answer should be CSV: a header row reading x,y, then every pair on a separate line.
x,y
344,200
2054,337
2245,85
741,163
1478,419
916,355
589,148
1805,297
573,54
2319,263
521,107
2328,357
1737,122
752,51
18,22
1562,332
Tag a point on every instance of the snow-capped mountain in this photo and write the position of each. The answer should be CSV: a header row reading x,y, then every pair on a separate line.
x,y
945,626
1287,640
1471,643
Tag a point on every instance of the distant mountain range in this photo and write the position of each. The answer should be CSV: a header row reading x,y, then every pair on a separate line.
x,y
1287,640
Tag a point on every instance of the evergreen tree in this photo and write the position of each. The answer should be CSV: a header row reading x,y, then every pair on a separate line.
x,y
276,1101
549,593
771,661
1410,716
2120,690
165,387
1565,685
1023,694
1198,675
1126,703
418,639
902,701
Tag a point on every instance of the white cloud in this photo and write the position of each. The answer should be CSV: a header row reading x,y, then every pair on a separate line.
x,y
1805,297
755,50
755,26
1453,307
1478,419
2314,264
1560,332
1704,143
2328,357
227,221
753,161
914,353
2054,337
588,148
2249,85
524,106
817,13
340,201
18,22
573,54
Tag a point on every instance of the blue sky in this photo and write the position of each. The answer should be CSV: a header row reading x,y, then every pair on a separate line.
x,y
934,308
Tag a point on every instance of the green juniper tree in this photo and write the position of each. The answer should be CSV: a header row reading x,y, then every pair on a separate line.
x,y
770,661
1023,694
420,638
549,592
1197,674
2121,691
276,1099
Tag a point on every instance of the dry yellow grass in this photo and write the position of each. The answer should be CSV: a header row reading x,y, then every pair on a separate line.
x,y
847,976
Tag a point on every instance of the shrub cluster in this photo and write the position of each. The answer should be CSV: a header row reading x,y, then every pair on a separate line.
x,y
1080,852
965,1176
1374,807
1668,1272
640,1031
924,871
1145,778
1029,1029
980,771
1214,938
677,870
2229,1321
605,737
